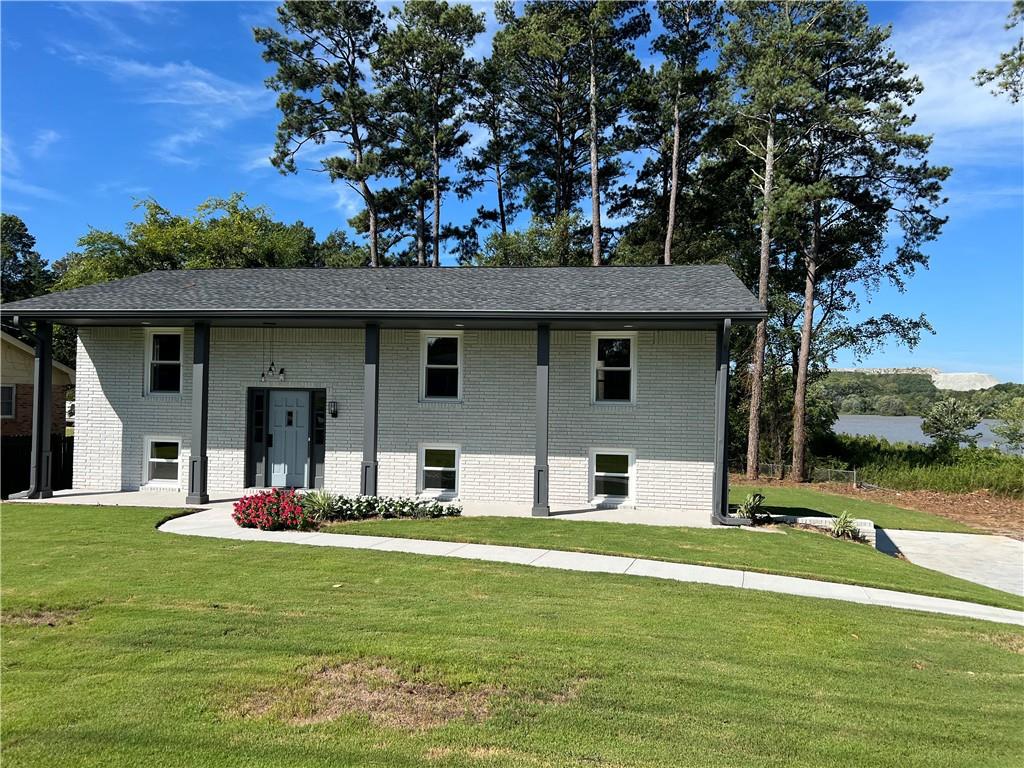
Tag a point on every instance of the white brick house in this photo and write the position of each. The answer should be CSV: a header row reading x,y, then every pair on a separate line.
x,y
540,389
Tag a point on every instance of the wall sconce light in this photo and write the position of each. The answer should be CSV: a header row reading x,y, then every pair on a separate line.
x,y
332,408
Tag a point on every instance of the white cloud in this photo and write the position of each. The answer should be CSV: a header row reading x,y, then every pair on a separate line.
x,y
199,102
12,181
112,18
945,44
43,141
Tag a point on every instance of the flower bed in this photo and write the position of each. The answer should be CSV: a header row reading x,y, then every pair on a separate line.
x,y
274,510
286,510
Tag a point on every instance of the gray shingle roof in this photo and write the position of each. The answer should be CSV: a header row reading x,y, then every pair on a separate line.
x,y
692,291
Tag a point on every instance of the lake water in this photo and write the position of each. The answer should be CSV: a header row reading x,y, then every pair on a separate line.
x,y
902,429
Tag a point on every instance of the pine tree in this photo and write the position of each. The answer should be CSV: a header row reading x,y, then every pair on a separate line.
x,y
860,172
766,59
320,58
422,72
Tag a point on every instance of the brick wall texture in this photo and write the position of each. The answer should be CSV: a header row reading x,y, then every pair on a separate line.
x,y
669,428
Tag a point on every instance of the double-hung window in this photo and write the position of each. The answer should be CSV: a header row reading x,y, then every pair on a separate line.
x,y
614,369
7,401
441,374
612,475
163,361
162,465
439,469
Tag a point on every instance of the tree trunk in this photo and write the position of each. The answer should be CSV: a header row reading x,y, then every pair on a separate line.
x,y
436,232
673,189
595,191
501,199
803,361
761,335
371,212
368,198
421,246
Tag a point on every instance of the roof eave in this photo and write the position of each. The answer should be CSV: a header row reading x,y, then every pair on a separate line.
x,y
194,315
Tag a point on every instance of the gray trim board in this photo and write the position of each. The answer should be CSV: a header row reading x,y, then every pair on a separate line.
x,y
541,506
371,383
42,413
197,471
720,492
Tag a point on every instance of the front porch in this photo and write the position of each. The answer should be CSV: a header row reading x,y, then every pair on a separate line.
x,y
223,500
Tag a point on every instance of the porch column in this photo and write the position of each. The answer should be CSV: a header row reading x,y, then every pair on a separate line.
x,y
368,476
720,509
541,508
197,491
42,414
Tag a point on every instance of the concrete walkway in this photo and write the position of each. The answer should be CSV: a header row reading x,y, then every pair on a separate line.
x,y
995,561
217,523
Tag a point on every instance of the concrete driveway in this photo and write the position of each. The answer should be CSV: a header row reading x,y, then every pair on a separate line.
x,y
995,561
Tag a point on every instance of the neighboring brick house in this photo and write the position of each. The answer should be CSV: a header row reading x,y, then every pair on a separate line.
x,y
540,388
17,360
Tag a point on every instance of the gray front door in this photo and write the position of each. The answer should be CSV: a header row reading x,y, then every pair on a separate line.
x,y
288,428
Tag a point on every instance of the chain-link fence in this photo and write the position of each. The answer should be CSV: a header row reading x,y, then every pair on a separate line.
x,y
814,474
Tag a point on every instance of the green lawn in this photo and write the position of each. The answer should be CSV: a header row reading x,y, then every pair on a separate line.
x,y
806,501
788,551
165,650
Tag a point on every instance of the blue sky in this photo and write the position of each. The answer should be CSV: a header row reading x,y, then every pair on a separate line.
x,y
106,103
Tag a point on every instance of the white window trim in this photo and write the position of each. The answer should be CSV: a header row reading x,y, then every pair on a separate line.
x,y
424,335
150,332
604,500
438,493
633,343
147,446
14,402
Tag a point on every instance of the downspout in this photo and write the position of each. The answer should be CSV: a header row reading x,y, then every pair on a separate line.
x,y
720,492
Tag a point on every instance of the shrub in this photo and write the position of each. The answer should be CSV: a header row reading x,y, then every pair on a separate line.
x,y
388,507
321,505
843,527
274,510
751,507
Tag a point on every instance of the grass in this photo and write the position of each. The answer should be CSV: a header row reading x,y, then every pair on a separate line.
x,y
178,651
789,552
785,500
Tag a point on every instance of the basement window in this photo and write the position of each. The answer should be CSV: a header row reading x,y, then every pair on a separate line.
x,y
612,476
162,465
439,470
